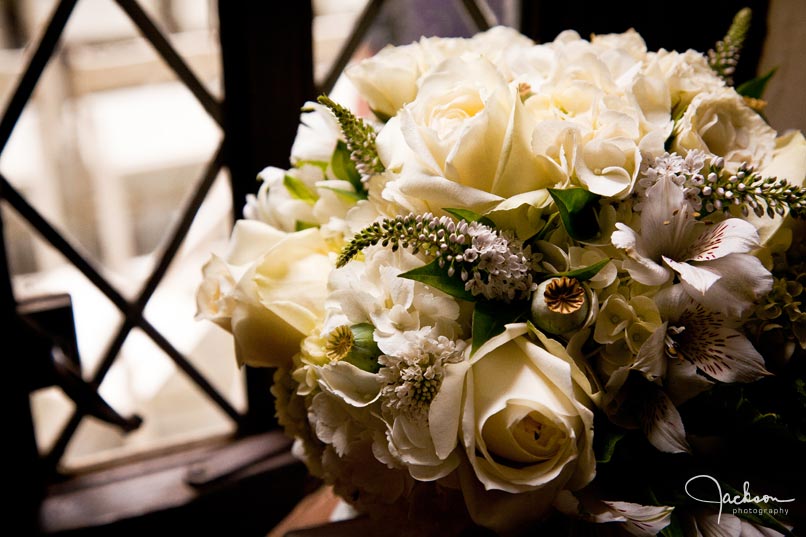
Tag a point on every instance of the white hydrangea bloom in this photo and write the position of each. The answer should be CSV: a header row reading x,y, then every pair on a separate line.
x,y
373,292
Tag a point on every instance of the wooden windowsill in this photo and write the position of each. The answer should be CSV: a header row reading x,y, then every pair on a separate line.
x,y
202,482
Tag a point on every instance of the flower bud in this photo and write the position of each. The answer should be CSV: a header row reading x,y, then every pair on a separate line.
x,y
560,305
355,344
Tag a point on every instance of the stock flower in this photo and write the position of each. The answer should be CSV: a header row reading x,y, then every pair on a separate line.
x,y
348,461
711,260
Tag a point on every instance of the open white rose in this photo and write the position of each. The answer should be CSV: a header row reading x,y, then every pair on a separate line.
x,y
280,299
720,123
468,127
216,298
388,80
526,426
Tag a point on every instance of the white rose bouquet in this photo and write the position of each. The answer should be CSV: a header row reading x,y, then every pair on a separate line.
x,y
547,285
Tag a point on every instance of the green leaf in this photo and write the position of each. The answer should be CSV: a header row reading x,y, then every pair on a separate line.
x,y
490,318
299,190
550,226
469,216
577,208
349,195
610,440
299,225
584,273
755,88
674,529
321,164
437,277
344,167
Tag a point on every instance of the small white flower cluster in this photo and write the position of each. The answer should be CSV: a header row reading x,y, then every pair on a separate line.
x,y
413,378
503,270
492,263
676,168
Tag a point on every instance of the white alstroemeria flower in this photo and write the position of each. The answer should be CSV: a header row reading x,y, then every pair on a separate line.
x,y
698,339
711,260
635,519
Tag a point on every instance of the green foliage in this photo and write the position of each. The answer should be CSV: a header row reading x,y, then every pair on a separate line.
x,y
724,57
469,216
344,167
577,207
584,273
437,277
755,88
360,139
299,190
301,225
490,318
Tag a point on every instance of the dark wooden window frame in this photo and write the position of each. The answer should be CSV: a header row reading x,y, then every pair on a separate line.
x,y
267,62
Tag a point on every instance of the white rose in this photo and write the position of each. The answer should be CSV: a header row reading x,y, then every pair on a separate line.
x,y
349,459
687,74
788,162
503,46
526,426
608,167
720,123
215,297
468,127
280,299
388,80
628,43
214,300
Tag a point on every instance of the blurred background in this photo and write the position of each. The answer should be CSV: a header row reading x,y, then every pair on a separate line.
x,y
112,144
